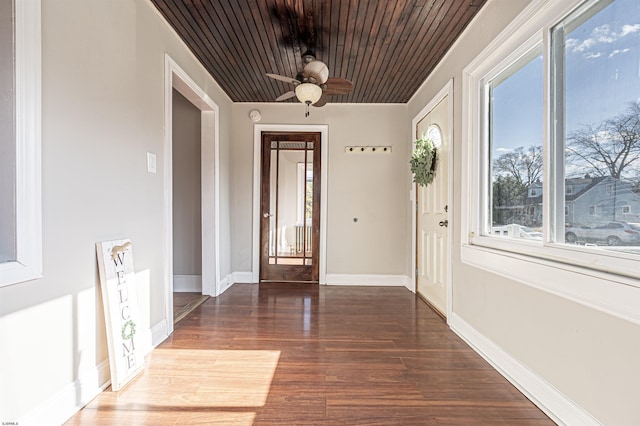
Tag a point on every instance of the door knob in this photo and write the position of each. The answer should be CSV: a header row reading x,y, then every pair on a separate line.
x,y
444,223
266,214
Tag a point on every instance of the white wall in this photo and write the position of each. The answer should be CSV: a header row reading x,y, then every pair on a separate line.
x,y
586,355
372,188
102,110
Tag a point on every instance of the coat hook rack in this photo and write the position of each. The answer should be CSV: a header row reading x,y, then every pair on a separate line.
x,y
367,149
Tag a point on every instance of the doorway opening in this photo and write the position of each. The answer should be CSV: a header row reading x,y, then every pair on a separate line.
x,y
296,239
187,206
193,229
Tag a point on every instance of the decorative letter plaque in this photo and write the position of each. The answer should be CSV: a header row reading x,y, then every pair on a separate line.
x,y
117,279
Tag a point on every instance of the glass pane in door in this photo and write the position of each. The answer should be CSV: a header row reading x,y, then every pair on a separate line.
x,y
308,205
290,220
288,223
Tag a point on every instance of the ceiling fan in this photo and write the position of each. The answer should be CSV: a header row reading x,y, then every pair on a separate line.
x,y
313,84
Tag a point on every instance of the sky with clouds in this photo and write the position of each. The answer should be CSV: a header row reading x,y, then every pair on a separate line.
x,y
602,77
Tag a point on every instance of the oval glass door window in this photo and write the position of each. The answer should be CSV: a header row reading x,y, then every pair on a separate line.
x,y
435,134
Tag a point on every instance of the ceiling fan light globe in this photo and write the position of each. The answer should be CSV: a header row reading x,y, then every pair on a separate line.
x,y
308,93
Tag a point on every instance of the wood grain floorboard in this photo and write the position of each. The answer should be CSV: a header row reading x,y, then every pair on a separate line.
x,y
293,354
185,303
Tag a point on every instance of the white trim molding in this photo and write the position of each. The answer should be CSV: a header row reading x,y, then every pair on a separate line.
x,y
554,403
28,223
369,280
73,397
612,294
225,284
187,283
257,138
158,333
177,78
59,408
241,277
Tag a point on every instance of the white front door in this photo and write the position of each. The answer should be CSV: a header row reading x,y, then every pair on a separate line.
x,y
432,215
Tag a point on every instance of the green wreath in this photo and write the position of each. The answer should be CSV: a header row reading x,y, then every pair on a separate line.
x,y
423,162
128,330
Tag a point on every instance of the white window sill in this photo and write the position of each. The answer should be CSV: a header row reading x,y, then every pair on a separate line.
x,y
16,272
607,292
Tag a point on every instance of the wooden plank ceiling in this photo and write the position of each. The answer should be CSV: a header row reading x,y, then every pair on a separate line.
x,y
386,48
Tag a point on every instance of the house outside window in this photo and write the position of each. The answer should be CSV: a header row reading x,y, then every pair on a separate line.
x,y
516,141
551,66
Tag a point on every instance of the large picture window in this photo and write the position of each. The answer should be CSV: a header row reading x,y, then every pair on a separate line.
x,y
598,98
515,141
20,186
554,137
7,134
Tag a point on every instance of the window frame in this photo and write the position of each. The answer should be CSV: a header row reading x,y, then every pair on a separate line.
x,y
28,227
604,279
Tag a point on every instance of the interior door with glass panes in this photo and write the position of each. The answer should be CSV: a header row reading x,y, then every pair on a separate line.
x,y
290,207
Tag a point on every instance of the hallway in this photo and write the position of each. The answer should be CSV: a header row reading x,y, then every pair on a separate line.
x,y
304,354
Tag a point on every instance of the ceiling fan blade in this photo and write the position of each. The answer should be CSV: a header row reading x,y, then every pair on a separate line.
x,y
318,70
288,95
338,86
321,102
283,78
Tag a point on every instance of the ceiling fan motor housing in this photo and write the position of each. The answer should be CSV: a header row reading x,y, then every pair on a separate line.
x,y
312,84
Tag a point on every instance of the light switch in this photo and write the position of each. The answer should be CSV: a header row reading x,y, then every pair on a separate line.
x,y
151,162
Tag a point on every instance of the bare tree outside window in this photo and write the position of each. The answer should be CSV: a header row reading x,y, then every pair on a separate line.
x,y
611,148
523,164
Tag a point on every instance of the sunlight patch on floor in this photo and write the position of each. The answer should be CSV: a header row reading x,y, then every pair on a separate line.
x,y
194,386
218,378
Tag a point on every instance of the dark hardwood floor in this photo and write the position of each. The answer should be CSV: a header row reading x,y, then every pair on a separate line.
x,y
291,354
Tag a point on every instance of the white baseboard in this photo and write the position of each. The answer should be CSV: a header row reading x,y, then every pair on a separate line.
x,y
67,402
159,334
340,279
362,279
240,277
187,283
225,283
554,403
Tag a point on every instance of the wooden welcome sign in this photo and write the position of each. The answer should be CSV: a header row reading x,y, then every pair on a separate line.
x,y
122,318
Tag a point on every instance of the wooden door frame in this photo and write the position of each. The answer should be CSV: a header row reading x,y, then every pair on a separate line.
x,y
446,91
282,272
323,129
